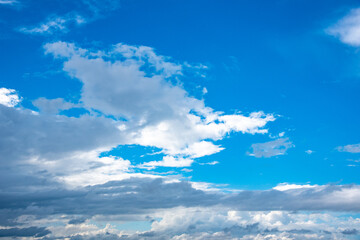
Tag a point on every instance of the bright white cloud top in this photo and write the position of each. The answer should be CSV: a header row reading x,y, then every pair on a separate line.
x,y
8,97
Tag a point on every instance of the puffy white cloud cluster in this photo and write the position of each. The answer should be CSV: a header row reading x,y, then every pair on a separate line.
x,y
207,223
134,83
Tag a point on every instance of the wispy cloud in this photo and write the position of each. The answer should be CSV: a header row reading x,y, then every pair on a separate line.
x,y
89,11
351,148
270,149
8,2
54,25
209,163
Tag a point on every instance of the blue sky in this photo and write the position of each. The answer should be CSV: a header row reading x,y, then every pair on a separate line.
x,y
230,110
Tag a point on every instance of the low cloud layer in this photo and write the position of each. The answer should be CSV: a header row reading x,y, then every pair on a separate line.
x,y
139,195
183,211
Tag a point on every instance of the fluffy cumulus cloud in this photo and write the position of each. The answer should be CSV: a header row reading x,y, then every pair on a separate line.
x,y
272,148
347,29
204,223
135,84
220,223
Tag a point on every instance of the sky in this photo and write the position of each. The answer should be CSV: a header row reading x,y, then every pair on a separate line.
x,y
206,119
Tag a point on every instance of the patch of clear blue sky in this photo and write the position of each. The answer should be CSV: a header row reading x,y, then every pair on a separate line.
x,y
263,55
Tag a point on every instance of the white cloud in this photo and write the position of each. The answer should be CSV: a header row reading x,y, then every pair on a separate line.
x,y
351,148
9,2
204,91
54,24
185,134
186,170
168,161
272,148
144,53
200,149
159,113
202,223
210,163
100,171
8,97
309,151
286,186
347,29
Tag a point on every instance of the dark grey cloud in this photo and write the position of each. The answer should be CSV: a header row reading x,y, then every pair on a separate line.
x,y
132,196
24,232
25,135
350,232
144,195
330,197
77,220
